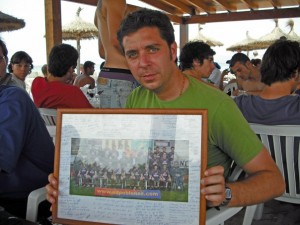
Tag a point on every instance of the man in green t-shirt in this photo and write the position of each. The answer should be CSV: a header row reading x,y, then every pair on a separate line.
x,y
147,39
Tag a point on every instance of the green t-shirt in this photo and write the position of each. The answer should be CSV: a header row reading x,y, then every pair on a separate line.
x,y
229,134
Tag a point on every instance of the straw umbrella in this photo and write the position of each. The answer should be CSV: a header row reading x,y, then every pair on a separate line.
x,y
10,23
244,45
268,39
292,34
79,30
210,41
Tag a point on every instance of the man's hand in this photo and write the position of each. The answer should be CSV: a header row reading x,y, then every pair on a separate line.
x,y
51,188
213,186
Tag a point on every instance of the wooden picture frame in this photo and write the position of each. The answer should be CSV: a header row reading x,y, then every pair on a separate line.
x,y
130,166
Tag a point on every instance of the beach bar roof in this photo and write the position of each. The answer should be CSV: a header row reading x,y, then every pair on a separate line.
x,y
186,12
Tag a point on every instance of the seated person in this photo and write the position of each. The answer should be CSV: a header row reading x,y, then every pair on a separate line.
x,y
197,60
27,150
215,77
280,72
247,75
5,78
149,34
256,62
20,67
85,78
55,91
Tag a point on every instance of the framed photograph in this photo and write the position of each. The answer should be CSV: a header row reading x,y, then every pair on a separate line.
x,y
130,166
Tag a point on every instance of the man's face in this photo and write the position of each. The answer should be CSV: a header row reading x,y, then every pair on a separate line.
x,y
206,68
3,64
241,71
90,70
150,59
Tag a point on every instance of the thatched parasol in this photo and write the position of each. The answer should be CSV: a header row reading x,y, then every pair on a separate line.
x,y
268,39
78,30
292,34
244,45
10,23
207,40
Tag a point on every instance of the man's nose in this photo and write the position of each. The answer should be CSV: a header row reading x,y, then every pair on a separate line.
x,y
144,59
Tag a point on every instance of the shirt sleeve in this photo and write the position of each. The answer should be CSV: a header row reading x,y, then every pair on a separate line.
x,y
233,133
12,128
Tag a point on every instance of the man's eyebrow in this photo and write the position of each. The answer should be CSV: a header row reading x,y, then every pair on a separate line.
x,y
152,45
130,51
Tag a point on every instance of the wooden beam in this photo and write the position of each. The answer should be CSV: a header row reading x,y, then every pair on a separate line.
x,y
251,4
87,2
203,6
53,24
180,6
162,6
227,5
275,3
239,16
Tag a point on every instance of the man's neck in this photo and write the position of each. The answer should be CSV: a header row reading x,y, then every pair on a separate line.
x,y
277,90
193,73
175,88
52,78
255,73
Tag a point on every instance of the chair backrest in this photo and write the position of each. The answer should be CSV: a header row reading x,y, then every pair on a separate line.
x,y
48,115
52,131
283,143
230,88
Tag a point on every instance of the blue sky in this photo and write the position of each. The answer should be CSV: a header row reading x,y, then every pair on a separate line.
x,y
31,38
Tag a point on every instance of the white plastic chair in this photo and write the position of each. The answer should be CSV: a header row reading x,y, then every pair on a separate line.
x,y
283,143
52,131
48,115
230,88
34,199
218,217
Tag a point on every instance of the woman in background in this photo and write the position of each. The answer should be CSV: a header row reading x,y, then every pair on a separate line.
x,y
20,66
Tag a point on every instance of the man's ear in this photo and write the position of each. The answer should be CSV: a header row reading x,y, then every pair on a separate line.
x,y
296,75
196,62
173,51
249,65
71,69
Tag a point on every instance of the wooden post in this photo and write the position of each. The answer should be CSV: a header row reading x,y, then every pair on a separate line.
x,y
53,24
184,34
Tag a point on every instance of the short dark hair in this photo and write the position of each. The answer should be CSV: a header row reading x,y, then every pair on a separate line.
x,y
61,58
88,64
238,57
194,50
4,50
280,61
19,57
146,18
44,69
255,62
